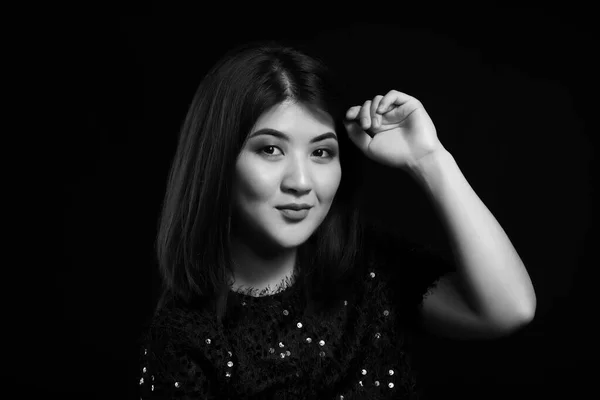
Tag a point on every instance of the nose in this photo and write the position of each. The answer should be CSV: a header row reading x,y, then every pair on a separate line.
x,y
297,176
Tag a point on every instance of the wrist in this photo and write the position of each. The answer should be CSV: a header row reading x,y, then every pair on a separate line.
x,y
428,169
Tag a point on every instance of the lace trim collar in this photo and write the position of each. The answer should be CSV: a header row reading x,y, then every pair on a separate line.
x,y
268,291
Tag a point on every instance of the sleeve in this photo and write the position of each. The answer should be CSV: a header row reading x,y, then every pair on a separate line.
x,y
166,371
413,270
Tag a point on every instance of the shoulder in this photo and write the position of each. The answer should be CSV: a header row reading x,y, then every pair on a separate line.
x,y
175,323
165,360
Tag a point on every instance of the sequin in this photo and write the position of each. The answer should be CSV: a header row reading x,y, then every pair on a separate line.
x,y
152,388
272,334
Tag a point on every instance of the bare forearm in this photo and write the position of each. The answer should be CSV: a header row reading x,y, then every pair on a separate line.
x,y
491,271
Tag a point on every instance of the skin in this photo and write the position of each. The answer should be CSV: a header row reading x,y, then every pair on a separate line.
x,y
271,172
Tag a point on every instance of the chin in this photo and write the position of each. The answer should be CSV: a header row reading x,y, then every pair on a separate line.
x,y
289,237
296,243
290,241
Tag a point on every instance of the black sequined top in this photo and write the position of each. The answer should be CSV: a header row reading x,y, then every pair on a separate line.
x,y
268,348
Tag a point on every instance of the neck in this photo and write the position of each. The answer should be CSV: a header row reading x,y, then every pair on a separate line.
x,y
259,269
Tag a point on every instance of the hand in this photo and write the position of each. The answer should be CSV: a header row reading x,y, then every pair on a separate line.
x,y
395,130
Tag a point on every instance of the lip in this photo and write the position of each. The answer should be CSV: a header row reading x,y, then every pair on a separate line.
x,y
294,206
295,215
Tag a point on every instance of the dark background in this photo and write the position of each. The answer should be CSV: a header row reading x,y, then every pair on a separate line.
x,y
510,93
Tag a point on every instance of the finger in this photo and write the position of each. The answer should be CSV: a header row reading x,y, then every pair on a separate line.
x,y
375,118
359,137
365,115
352,112
393,98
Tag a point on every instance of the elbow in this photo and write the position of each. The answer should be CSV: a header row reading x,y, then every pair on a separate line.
x,y
531,302
521,317
525,305
529,313
517,322
526,316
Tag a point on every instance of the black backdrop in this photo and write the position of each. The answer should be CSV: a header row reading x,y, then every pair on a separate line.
x,y
510,94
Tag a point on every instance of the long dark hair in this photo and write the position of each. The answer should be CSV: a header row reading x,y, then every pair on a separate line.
x,y
192,244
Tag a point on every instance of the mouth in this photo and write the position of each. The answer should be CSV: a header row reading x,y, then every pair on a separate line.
x,y
295,215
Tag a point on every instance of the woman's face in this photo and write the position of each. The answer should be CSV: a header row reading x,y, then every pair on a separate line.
x,y
274,171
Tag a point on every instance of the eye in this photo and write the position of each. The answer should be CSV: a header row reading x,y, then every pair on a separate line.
x,y
268,147
330,152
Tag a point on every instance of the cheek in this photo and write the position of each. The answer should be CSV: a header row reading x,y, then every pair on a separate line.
x,y
329,183
254,183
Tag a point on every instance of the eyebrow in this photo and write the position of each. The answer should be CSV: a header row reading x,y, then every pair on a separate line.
x,y
283,136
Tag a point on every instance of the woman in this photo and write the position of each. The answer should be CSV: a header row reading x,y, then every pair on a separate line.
x,y
273,283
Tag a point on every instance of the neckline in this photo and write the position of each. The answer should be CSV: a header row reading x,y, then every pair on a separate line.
x,y
282,287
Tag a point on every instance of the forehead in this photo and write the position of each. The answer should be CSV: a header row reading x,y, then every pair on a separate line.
x,y
295,119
